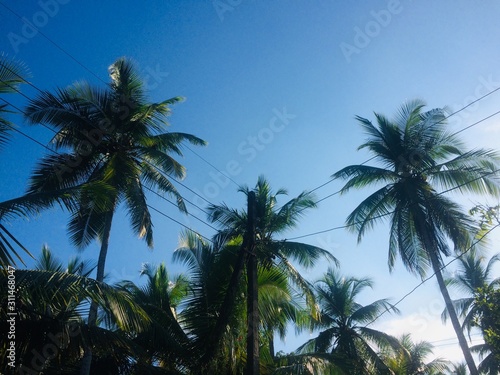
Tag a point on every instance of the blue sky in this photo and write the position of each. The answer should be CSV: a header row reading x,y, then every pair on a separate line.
x,y
273,86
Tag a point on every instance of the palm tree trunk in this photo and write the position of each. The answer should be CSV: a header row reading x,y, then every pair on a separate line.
x,y
232,289
226,308
271,344
453,315
252,316
436,266
92,319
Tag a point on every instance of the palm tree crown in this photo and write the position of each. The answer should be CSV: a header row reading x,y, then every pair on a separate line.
x,y
412,359
112,135
473,273
343,326
271,221
419,156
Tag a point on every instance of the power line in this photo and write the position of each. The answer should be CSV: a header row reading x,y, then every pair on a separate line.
x,y
391,212
335,193
433,274
454,338
152,165
438,122
172,203
214,167
345,226
56,153
172,177
178,222
24,134
53,43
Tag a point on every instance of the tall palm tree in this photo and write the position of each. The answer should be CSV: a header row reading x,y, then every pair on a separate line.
x,y
344,334
115,136
209,273
412,359
270,221
418,157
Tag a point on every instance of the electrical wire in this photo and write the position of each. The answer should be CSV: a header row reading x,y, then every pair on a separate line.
x,y
172,177
433,274
435,123
389,213
53,43
56,153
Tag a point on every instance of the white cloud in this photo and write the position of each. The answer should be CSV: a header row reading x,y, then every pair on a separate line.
x,y
427,327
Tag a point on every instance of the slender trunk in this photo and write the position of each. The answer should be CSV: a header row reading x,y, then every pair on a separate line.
x,y
453,316
92,319
436,266
252,317
226,309
271,344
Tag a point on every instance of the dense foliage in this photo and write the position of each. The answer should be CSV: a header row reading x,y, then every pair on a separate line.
x,y
112,148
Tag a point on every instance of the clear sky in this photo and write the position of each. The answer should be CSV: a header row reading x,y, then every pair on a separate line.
x,y
273,86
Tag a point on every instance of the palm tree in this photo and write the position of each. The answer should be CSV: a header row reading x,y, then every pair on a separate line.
x,y
209,273
50,331
473,273
32,204
114,136
12,74
165,344
269,222
344,334
411,360
459,369
418,156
